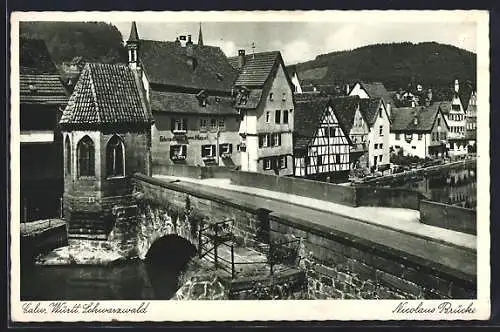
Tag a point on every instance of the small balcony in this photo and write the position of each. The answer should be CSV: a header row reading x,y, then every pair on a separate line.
x,y
37,136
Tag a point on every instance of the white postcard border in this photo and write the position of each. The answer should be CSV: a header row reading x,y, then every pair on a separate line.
x,y
268,310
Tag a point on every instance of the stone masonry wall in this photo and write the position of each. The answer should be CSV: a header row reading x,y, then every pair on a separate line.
x,y
203,209
336,264
338,268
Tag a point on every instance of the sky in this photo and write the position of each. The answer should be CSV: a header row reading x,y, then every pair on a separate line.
x,y
303,41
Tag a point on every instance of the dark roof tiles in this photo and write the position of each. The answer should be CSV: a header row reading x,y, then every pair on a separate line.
x,y
42,89
105,94
257,68
310,110
403,119
188,103
166,63
377,90
369,109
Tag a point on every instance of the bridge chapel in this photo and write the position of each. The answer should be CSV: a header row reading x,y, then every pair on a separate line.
x,y
106,128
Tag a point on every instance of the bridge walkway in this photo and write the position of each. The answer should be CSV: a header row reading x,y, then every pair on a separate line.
x,y
396,228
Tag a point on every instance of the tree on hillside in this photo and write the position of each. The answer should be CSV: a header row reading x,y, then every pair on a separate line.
x,y
94,41
397,64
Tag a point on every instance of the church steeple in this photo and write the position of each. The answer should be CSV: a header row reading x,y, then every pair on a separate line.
x,y
200,37
134,36
133,46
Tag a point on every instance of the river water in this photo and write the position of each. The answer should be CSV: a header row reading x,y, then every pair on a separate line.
x,y
456,186
132,280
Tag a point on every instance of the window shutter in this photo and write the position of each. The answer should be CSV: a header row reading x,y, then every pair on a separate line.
x,y
171,151
279,139
230,148
172,124
184,150
272,140
261,141
184,124
220,149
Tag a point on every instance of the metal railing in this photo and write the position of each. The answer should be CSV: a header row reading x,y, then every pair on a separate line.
x,y
214,235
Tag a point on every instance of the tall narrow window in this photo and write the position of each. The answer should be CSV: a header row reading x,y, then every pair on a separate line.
x,y
277,117
285,116
67,146
86,155
115,157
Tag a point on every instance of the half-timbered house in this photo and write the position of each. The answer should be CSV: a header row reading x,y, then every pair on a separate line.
x,y
321,141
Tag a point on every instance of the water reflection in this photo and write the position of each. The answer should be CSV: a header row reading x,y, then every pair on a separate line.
x,y
133,280
453,186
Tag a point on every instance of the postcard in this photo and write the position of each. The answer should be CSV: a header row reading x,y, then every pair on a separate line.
x,y
239,166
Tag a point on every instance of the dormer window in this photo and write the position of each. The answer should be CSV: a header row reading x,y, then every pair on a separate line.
x,y
179,125
202,98
415,121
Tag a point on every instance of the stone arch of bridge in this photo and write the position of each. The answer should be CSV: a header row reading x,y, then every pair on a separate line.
x,y
171,250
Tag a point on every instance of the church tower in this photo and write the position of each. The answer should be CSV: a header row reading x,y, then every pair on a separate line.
x,y
133,47
200,37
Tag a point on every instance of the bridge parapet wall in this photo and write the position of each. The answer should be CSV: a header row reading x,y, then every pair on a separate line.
x,y
341,265
339,262
171,208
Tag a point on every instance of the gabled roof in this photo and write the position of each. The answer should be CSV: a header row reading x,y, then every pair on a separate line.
x,y
369,109
166,63
376,90
105,95
34,57
345,109
445,106
40,82
251,101
42,89
258,68
308,115
187,103
403,118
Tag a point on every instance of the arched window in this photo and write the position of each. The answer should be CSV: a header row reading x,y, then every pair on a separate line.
x,y
67,147
86,155
115,157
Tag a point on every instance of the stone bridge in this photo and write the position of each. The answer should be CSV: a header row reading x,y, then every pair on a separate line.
x,y
342,257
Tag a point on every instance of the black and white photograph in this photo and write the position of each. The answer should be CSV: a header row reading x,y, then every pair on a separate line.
x,y
335,164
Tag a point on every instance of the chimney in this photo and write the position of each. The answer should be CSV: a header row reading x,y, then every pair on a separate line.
x,y
415,118
191,60
177,41
457,86
189,47
429,95
241,59
347,89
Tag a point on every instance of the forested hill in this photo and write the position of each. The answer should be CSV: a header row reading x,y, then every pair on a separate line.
x,y
395,65
94,41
